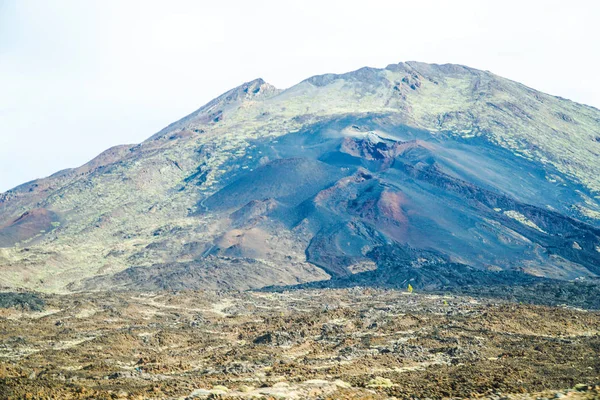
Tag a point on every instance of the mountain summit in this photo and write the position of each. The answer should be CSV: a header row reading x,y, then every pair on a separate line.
x,y
438,175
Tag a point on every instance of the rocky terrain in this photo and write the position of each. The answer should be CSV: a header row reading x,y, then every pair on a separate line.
x,y
439,175
358,343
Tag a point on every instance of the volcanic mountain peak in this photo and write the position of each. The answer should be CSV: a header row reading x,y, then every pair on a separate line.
x,y
447,98
382,167
253,90
212,112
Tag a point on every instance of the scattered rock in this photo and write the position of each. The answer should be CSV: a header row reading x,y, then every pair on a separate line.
x,y
340,383
581,387
199,393
379,382
275,339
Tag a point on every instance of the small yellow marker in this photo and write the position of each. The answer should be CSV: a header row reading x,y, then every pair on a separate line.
x,y
410,288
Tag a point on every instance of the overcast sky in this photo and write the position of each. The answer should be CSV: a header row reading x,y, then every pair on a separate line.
x,y
77,77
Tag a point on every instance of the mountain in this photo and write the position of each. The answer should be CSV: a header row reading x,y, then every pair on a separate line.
x,y
441,175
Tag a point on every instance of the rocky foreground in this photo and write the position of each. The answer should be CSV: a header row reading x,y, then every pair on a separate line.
x,y
305,344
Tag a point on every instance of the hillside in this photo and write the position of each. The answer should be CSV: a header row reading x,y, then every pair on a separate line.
x,y
441,175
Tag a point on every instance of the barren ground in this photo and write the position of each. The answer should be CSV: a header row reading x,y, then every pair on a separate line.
x,y
305,344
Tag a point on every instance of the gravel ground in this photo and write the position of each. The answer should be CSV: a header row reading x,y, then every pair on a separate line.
x,y
305,344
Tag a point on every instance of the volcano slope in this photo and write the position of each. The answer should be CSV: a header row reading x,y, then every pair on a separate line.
x,y
439,175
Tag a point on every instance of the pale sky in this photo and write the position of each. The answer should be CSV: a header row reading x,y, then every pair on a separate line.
x,y
77,77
